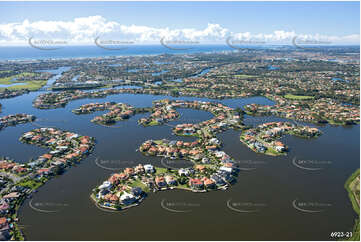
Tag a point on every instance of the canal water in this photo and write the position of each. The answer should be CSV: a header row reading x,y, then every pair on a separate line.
x,y
274,199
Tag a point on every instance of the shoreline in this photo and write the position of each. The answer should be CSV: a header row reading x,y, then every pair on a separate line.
x,y
355,204
223,188
101,55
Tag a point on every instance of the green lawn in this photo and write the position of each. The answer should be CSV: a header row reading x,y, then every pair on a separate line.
x,y
30,184
152,123
7,80
271,151
297,97
183,186
243,76
31,85
160,170
158,142
138,183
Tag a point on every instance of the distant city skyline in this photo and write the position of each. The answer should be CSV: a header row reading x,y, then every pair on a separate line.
x,y
80,23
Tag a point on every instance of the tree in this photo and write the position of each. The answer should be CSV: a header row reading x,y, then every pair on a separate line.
x,y
174,93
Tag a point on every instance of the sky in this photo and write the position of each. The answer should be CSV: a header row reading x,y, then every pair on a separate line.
x,y
205,22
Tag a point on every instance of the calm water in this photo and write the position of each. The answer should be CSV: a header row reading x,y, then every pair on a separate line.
x,y
12,84
58,73
28,53
271,187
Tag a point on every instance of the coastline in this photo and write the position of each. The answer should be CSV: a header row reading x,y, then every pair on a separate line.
x,y
162,50
355,205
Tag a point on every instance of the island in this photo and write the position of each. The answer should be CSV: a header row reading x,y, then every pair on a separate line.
x,y
117,111
20,180
212,168
319,87
264,138
15,119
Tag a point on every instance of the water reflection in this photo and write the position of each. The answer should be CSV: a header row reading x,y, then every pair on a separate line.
x,y
275,181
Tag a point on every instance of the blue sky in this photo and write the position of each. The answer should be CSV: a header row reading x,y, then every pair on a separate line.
x,y
304,18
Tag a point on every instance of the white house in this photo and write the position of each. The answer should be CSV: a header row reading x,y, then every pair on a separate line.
x,y
127,198
148,168
105,185
214,141
220,154
183,171
226,169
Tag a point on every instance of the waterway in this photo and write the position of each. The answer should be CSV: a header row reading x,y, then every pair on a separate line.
x,y
262,200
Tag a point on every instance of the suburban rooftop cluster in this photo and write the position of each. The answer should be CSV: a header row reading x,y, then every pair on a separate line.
x,y
265,137
129,187
213,168
12,93
20,180
117,111
323,110
310,86
15,119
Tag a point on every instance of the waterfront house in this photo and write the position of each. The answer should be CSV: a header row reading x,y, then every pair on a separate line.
x,y
160,181
137,191
127,198
196,184
226,176
44,172
105,185
226,169
47,156
139,169
149,168
7,165
208,183
129,171
170,180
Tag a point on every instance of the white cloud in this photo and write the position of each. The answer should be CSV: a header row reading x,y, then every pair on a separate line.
x,y
84,30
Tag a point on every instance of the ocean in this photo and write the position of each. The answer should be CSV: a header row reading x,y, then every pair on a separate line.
x,y
30,53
